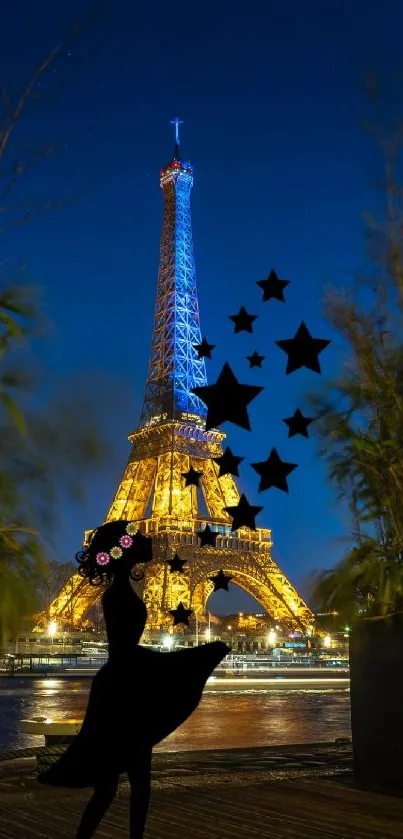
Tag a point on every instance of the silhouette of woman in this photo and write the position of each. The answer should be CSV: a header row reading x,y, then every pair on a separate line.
x,y
138,697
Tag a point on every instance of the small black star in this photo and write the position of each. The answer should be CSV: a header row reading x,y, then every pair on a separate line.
x,y
227,400
243,514
273,287
204,349
273,472
298,424
180,614
255,360
207,536
176,564
192,477
221,580
228,463
303,350
243,321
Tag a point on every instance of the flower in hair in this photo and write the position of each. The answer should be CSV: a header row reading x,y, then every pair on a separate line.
x,y
125,541
116,553
131,528
102,558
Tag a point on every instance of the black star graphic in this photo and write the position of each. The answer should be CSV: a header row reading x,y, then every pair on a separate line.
x,y
227,400
243,514
273,288
192,477
176,564
221,580
180,614
303,350
207,536
255,360
298,424
243,321
228,463
273,472
204,349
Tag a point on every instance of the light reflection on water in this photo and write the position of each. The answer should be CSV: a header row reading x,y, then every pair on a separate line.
x,y
222,721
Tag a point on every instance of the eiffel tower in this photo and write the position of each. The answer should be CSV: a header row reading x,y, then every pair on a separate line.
x,y
170,438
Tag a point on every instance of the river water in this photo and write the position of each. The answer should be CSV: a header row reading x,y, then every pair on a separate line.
x,y
222,721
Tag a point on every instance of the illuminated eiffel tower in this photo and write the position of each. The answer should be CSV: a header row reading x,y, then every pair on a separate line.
x,y
171,437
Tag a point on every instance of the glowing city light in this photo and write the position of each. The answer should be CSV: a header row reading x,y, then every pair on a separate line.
x,y
327,641
272,637
168,642
52,629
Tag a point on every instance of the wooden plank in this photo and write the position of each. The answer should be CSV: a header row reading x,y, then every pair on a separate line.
x,y
299,809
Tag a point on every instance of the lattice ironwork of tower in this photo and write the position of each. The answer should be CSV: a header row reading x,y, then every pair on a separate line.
x,y
171,437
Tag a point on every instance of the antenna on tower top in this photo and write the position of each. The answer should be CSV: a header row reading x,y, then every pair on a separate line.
x,y
176,122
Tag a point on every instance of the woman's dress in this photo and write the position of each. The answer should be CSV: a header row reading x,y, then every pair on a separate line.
x,y
137,698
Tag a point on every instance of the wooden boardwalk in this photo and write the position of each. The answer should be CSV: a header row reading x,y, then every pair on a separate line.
x,y
235,808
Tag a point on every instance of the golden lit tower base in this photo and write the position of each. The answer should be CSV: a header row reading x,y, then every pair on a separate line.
x,y
153,482
171,438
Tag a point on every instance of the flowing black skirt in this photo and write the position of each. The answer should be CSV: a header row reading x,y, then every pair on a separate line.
x,y
134,704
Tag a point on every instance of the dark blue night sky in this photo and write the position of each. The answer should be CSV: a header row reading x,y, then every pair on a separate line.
x,y
271,98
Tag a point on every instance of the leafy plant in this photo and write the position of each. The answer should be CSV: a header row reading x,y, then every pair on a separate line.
x,y
46,443
359,421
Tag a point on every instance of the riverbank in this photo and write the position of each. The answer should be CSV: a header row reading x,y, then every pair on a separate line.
x,y
298,792
335,756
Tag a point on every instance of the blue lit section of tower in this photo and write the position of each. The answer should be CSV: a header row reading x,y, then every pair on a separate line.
x,y
174,367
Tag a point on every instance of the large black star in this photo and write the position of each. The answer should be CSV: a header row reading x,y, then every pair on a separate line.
x,y
298,424
303,350
221,580
255,360
207,536
243,321
228,463
273,472
243,514
180,614
192,477
204,349
176,564
273,287
227,400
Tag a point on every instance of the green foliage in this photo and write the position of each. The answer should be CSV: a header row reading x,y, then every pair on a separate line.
x,y
21,568
48,448
360,425
366,583
46,443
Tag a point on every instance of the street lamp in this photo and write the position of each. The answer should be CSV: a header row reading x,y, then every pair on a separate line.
x,y
327,641
52,629
197,629
271,638
208,630
168,642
